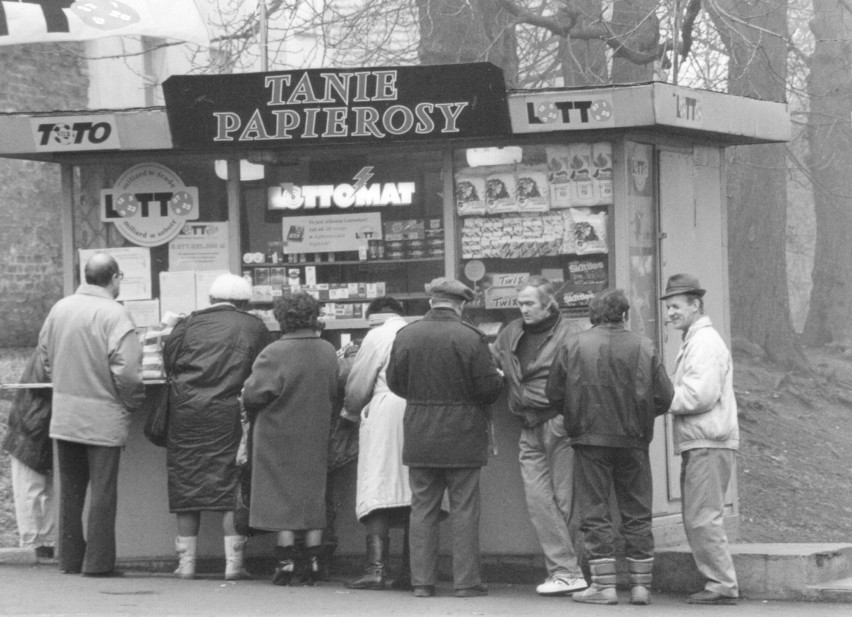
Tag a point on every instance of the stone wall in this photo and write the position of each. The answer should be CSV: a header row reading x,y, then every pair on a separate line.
x,y
34,78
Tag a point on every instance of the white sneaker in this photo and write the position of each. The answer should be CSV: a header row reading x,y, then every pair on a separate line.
x,y
557,586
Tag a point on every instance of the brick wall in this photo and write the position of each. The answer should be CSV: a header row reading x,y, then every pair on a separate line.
x,y
34,78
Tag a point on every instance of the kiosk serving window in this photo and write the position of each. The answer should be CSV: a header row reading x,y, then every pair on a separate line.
x,y
534,209
347,230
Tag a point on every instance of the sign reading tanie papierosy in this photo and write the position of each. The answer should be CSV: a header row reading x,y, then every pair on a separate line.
x,y
361,105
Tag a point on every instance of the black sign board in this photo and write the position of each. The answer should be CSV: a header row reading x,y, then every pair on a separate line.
x,y
362,105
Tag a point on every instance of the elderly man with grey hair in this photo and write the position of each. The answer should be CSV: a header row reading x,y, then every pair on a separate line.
x,y
91,353
525,350
443,368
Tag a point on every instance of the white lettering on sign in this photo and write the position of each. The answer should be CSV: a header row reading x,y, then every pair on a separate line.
x,y
328,114
288,196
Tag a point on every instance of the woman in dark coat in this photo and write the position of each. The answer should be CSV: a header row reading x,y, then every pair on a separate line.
x,y
208,356
289,397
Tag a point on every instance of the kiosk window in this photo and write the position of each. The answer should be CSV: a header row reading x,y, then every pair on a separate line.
x,y
541,209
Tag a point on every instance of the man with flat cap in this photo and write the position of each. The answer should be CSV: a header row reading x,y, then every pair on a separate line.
x,y
445,371
706,435
90,349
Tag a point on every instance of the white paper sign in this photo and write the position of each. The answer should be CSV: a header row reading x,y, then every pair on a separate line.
x,y
134,262
200,246
330,233
177,292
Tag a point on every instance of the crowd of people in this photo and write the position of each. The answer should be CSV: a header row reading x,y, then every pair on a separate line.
x,y
420,397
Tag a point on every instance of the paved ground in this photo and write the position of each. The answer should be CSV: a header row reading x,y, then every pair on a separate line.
x,y
42,590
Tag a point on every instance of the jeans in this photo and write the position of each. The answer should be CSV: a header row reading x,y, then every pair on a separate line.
x,y
704,479
597,470
427,490
83,466
547,467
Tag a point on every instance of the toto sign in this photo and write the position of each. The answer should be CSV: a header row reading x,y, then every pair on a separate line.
x,y
149,204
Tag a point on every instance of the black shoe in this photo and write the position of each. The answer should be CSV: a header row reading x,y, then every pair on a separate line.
x,y
472,592
424,591
285,567
71,571
107,574
44,552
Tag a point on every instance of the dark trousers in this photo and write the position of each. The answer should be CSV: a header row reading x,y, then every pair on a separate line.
x,y
427,490
597,470
83,466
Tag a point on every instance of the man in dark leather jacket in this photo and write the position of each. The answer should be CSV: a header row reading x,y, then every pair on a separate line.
x,y
610,385
444,370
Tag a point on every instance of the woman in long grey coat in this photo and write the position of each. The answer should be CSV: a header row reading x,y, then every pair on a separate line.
x,y
290,395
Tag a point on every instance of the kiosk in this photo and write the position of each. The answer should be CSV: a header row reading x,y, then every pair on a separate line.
x,y
355,183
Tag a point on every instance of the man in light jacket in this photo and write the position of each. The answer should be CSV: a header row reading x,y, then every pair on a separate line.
x,y
706,435
91,352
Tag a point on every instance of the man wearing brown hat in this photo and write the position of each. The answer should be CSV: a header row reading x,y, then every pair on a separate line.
x,y
445,371
706,435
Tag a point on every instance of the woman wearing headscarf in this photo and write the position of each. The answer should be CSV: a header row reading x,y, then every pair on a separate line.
x,y
383,496
289,397
208,356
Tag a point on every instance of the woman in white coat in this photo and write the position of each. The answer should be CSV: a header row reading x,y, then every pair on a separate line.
x,y
383,497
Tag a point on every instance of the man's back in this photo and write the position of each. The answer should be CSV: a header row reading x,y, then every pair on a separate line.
x,y
90,345
611,384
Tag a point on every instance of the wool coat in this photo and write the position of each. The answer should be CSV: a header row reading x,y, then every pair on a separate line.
x,y
444,370
290,396
208,356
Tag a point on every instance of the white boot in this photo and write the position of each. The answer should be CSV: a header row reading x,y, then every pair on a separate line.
x,y
235,550
185,546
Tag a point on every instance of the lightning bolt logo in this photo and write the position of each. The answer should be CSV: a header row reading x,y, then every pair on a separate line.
x,y
362,177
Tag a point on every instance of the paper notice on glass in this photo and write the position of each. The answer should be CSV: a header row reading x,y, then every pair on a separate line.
x,y
332,233
200,246
145,313
203,281
177,292
134,262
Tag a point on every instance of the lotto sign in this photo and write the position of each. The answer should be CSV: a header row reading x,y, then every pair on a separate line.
x,y
149,204
66,133
50,21
562,112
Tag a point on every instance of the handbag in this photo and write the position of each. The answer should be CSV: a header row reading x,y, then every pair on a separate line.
x,y
157,425
242,494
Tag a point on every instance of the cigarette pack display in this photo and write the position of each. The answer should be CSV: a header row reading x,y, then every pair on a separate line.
x,y
310,276
470,192
434,224
602,172
559,176
532,194
500,189
581,174
261,276
412,229
278,277
589,229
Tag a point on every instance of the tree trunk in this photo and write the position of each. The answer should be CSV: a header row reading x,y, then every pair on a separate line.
x,y
830,162
583,62
455,31
636,22
755,36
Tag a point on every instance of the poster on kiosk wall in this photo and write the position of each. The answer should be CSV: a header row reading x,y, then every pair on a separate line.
x,y
330,233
